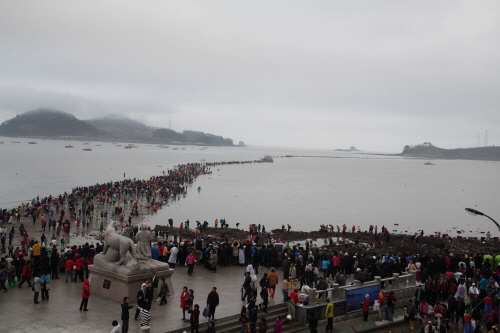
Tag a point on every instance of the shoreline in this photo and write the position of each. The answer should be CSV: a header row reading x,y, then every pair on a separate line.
x,y
146,203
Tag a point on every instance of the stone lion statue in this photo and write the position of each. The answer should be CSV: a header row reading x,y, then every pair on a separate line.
x,y
116,246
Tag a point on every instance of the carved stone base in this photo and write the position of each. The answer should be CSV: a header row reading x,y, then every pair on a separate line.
x,y
115,286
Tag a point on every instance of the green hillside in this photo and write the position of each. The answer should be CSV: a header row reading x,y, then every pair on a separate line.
x,y
430,151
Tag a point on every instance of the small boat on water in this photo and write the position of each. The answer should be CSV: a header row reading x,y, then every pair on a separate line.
x,y
87,149
98,145
130,146
175,148
69,146
32,143
429,163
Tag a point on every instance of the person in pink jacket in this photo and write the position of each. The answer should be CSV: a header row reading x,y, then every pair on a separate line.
x,y
278,325
336,264
423,307
190,261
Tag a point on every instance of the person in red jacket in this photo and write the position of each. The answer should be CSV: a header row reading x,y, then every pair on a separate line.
x,y
366,307
68,266
88,262
294,295
26,274
80,267
85,295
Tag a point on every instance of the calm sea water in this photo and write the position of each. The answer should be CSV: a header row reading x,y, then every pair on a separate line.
x,y
325,188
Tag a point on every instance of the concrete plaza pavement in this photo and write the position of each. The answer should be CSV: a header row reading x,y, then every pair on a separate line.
x,y
61,313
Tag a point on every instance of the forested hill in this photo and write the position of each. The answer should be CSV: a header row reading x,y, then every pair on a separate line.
x,y
428,150
48,123
54,123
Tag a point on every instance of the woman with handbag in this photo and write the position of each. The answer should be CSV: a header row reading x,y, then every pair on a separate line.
x,y
45,286
188,301
184,293
243,319
264,294
37,287
163,291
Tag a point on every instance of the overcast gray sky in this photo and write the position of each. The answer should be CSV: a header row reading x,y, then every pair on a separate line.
x,y
320,74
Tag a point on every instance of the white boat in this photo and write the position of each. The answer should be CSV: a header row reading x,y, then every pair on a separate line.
x,y
69,146
32,143
87,149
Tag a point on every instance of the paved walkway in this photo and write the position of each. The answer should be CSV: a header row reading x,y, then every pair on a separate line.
x,y
61,313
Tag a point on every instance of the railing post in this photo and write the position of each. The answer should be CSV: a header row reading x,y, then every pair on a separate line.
x,y
378,279
312,296
413,278
335,291
395,282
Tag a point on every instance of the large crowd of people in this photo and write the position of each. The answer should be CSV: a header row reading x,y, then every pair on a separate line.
x,y
452,284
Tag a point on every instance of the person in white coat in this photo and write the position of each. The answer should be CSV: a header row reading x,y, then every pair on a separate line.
x,y
253,276
241,255
172,261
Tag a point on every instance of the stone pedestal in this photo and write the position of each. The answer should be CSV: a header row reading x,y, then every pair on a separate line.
x,y
115,286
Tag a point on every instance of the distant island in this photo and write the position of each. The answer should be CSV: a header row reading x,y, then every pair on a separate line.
x,y
428,150
352,148
59,124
